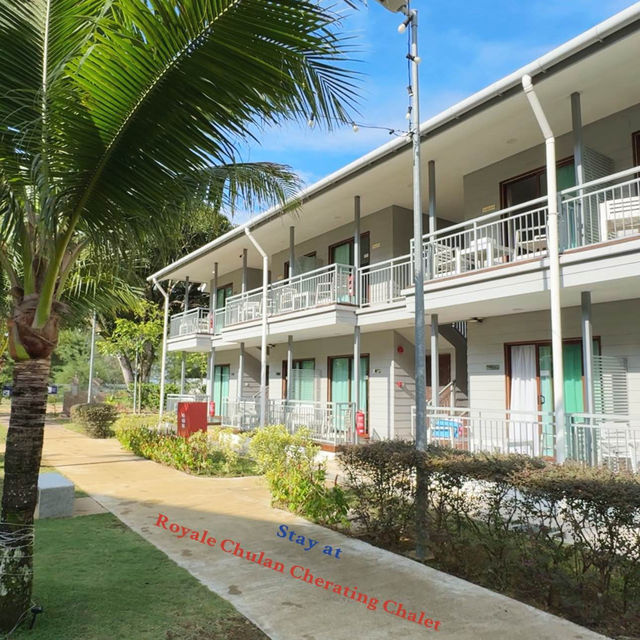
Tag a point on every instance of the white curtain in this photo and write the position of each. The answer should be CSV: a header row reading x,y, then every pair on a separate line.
x,y
523,430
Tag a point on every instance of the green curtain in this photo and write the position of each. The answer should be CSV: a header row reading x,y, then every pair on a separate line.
x,y
340,380
222,295
573,388
364,372
302,388
342,254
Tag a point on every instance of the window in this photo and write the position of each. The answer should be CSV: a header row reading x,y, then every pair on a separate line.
x,y
533,185
635,141
302,379
342,252
306,263
220,385
222,293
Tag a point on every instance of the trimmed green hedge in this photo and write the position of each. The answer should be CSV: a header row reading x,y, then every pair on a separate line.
x,y
564,538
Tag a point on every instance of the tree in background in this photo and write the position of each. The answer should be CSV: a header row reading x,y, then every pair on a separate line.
x,y
113,116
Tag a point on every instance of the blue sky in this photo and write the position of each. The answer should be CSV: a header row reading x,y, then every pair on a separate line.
x,y
465,45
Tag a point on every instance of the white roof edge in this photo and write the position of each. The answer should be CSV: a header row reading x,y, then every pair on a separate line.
x,y
540,65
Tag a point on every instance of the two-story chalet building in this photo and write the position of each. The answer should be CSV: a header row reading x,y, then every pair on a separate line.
x,y
487,296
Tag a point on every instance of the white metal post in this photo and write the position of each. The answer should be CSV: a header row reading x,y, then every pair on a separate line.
x,y
435,362
244,270
263,342
432,213
292,250
587,350
91,358
183,359
554,268
163,364
356,278
135,384
240,371
289,365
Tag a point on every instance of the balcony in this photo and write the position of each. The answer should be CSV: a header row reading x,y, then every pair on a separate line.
x,y
595,212
330,285
196,321
591,439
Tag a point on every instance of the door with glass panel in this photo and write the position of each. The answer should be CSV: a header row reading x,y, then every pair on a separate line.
x,y
343,254
220,385
300,381
342,388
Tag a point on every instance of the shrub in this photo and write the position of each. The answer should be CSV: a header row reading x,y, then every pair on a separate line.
x,y
196,454
564,537
96,418
297,482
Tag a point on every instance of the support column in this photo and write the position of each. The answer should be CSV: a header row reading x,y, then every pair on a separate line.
x,y
240,371
91,358
587,350
289,365
213,299
432,213
356,286
211,375
183,363
578,144
435,362
292,250
244,270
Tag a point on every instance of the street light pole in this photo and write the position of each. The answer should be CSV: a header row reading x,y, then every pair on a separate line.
x,y
400,6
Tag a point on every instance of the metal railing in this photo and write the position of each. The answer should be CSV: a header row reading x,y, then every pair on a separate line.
x,y
172,400
604,439
494,431
383,282
188,322
240,413
330,422
332,284
509,235
600,210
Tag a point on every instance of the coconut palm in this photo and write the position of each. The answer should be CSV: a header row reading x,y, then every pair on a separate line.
x,y
112,114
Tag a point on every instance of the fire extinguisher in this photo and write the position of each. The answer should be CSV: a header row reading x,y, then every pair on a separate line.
x,y
361,429
350,287
211,322
212,408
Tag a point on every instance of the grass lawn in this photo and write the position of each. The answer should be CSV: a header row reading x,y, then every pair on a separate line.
x,y
97,579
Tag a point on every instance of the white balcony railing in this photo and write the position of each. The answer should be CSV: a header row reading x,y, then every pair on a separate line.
x,y
593,439
330,422
383,282
172,400
601,210
189,322
333,284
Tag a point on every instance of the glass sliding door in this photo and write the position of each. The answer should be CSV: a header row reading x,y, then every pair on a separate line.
x,y
301,379
220,385
342,386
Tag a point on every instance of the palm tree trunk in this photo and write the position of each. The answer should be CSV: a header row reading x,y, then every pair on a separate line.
x,y
20,494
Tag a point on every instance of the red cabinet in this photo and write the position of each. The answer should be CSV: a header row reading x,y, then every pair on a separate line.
x,y
192,417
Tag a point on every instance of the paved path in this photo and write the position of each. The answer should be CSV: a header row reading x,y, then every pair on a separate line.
x,y
237,509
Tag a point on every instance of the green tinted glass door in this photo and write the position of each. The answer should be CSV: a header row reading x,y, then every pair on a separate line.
x,y
302,380
342,253
220,385
364,375
546,398
221,296
340,388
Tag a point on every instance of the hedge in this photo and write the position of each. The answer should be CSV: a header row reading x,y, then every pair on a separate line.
x,y
565,538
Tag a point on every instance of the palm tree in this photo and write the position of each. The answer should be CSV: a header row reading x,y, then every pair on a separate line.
x,y
112,113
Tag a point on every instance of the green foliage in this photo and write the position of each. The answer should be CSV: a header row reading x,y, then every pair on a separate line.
x,y
95,418
71,359
296,481
196,454
566,538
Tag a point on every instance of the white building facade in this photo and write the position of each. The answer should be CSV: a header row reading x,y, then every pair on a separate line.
x,y
487,294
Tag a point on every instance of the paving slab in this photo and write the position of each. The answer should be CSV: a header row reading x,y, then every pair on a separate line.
x,y
237,516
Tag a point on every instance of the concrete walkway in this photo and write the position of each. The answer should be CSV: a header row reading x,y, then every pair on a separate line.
x,y
238,509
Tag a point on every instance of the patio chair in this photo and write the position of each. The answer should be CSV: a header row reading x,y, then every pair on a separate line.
x,y
324,293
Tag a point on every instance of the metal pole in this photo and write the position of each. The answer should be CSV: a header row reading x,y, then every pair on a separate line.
x,y
240,371
265,309
244,270
554,269
420,354
578,144
432,211
435,362
91,358
292,250
135,384
183,362
163,365
356,279
587,349
289,366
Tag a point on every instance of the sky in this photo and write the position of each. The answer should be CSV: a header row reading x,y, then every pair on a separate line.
x,y
464,45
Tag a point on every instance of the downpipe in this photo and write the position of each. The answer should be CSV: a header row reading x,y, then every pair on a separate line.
x,y
554,267
163,365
